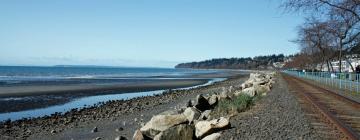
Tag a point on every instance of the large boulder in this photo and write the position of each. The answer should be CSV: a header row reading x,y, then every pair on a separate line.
x,y
192,114
231,89
249,91
204,128
261,89
162,122
213,136
255,76
171,112
205,115
257,83
213,100
190,103
224,95
202,103
268,76
138,135
179,132
244,85
269,85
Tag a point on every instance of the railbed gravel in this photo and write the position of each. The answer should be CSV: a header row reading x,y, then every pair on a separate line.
x,y
277,115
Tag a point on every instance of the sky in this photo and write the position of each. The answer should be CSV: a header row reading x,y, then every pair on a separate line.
x,y
149,33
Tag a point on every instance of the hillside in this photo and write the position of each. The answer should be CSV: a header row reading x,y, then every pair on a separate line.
x,y
258,62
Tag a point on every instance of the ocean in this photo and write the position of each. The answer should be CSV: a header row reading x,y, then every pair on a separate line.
x,y
16,77
28,75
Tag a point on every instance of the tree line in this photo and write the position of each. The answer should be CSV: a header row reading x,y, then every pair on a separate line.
x,y
331,32
258,62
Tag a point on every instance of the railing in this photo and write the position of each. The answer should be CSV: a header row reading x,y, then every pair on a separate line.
x,y
350,82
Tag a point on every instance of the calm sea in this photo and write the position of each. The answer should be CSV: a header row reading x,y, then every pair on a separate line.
x,y
27,76
18,75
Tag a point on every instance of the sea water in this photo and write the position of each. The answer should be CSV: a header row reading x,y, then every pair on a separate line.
x,y
62,75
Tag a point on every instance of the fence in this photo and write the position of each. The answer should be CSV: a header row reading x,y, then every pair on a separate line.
x,y
349,82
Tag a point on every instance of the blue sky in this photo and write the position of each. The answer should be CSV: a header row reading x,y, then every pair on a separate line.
x,y
157,33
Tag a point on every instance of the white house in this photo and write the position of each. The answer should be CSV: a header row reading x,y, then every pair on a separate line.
x,y
345,66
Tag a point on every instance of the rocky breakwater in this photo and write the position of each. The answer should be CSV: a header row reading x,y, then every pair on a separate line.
x,y
194,121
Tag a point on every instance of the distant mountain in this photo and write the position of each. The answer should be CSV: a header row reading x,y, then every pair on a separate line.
x,y
258,62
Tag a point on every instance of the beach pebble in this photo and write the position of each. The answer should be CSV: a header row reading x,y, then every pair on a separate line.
x,y
95,129
190,103
120,138
119,129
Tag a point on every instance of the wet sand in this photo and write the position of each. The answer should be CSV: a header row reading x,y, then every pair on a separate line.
x,y
19,98
22,91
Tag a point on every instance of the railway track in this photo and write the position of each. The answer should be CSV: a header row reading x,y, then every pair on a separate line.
x,y
332,111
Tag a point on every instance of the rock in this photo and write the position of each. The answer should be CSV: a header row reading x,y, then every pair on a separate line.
x,y
28,132
223,90
190,103
237,93
268,76
170,112
258,83
119,129
268,85
261,89
205,115
162,122
203,128
254,75
214,136
138,135
53,132
246,84
213,100
191,114
120,138
94,130
223,95
201,103
231,89
97,138
179,132
249,91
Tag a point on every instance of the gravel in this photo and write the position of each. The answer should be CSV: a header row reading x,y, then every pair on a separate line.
x,y
276,116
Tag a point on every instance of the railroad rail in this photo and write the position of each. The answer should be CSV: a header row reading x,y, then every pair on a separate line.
x,y
342,113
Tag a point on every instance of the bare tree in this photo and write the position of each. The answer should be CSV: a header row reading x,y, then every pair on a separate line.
x,y
342,21
346,28
321,7
314,35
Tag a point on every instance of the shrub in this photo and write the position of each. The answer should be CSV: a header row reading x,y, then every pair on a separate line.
x,y
238,104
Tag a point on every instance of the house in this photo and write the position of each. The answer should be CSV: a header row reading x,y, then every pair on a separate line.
x,y
345,66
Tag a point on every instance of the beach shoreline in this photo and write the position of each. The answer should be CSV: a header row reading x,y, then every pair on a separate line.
x,y
24,97
119,111
32,97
